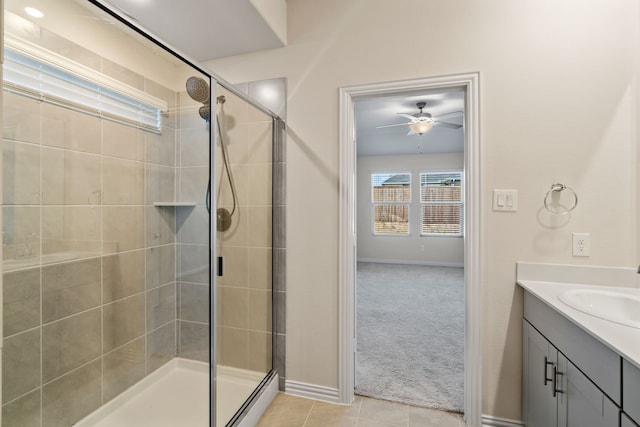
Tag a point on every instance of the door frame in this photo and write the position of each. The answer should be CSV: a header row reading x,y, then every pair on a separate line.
x,y
472,239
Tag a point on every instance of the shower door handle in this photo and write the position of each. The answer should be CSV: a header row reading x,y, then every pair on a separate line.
x,y
220,264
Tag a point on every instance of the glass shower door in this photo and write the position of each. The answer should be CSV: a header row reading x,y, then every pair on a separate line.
x,y
243,195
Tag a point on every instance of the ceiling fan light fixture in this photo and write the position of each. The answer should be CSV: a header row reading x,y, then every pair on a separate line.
x,y
421,127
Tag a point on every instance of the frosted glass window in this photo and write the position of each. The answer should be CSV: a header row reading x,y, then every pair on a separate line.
x,y
36,79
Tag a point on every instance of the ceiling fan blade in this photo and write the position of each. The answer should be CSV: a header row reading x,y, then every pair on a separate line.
x,y
449,114
388,126
408,116
448,125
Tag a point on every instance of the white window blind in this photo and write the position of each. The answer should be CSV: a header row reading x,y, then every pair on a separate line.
x,y
31,71
390,197
441,198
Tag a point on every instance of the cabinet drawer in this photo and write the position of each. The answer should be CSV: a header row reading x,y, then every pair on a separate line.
x,y
631,390
598,362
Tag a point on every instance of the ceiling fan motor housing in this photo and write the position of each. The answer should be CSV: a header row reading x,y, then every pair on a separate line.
x,y
422,117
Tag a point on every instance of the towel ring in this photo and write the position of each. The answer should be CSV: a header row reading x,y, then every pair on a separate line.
x,y
556,188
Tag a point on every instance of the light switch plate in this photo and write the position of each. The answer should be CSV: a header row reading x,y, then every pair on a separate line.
x,y
505,200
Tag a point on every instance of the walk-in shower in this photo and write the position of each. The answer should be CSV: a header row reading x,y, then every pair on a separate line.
x,y
113,312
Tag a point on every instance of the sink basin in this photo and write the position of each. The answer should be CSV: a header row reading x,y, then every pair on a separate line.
x,y
613,306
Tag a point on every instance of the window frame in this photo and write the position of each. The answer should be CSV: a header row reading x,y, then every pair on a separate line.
x,y
408,203
461,203
35,72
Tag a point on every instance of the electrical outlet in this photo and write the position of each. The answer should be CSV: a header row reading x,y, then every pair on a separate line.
x,y
581,244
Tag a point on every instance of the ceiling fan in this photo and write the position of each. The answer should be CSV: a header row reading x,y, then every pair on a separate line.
x,y
422,122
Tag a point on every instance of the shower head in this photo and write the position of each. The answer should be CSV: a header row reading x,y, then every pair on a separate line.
x,y
198,89
205,111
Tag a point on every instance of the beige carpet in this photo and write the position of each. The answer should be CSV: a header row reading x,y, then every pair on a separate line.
x,y
410,334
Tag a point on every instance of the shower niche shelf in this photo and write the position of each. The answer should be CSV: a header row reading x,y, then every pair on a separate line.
x,y
174,204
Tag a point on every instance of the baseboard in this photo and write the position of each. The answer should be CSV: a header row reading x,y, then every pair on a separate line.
x,y
411,262
489,421
331,395
312,391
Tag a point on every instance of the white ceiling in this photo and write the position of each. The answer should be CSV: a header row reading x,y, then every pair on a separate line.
x,y
378,111
210,29
203,29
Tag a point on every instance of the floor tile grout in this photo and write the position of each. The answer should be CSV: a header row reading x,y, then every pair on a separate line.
x,y
309,413
340,415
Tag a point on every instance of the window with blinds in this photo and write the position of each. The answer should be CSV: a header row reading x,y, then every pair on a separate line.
x,y
390,198
441,199
32,71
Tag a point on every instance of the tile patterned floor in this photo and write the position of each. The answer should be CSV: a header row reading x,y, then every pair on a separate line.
x,y
292,411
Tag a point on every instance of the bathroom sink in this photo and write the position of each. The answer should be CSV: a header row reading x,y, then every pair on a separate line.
x,y
613,306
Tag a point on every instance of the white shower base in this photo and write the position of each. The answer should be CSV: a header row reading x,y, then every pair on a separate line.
x,y
177,394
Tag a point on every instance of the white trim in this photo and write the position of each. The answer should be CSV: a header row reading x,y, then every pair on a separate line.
x,y
489,421
347,233
411,262
312,391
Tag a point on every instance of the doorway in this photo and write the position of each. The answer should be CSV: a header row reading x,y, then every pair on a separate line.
x,y
410,251
348,255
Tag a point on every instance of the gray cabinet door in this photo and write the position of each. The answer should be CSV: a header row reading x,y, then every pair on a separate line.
x,y
580,402
631,390
539,405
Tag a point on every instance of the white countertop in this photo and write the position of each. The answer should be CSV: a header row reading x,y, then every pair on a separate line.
x,y
624,340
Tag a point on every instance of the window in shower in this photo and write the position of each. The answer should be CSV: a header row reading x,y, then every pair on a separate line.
x,y
33,72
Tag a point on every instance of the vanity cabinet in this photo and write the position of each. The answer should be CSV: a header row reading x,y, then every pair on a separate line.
x,y
556,393
570,379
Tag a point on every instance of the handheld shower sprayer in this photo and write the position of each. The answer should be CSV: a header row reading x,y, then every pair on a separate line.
x,y
198,90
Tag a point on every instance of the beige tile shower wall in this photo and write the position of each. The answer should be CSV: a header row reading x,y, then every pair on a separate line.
x,y
244,312
192,228
89,263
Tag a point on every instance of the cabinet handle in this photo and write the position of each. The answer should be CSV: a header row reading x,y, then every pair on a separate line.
x,y
546,363
555,381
